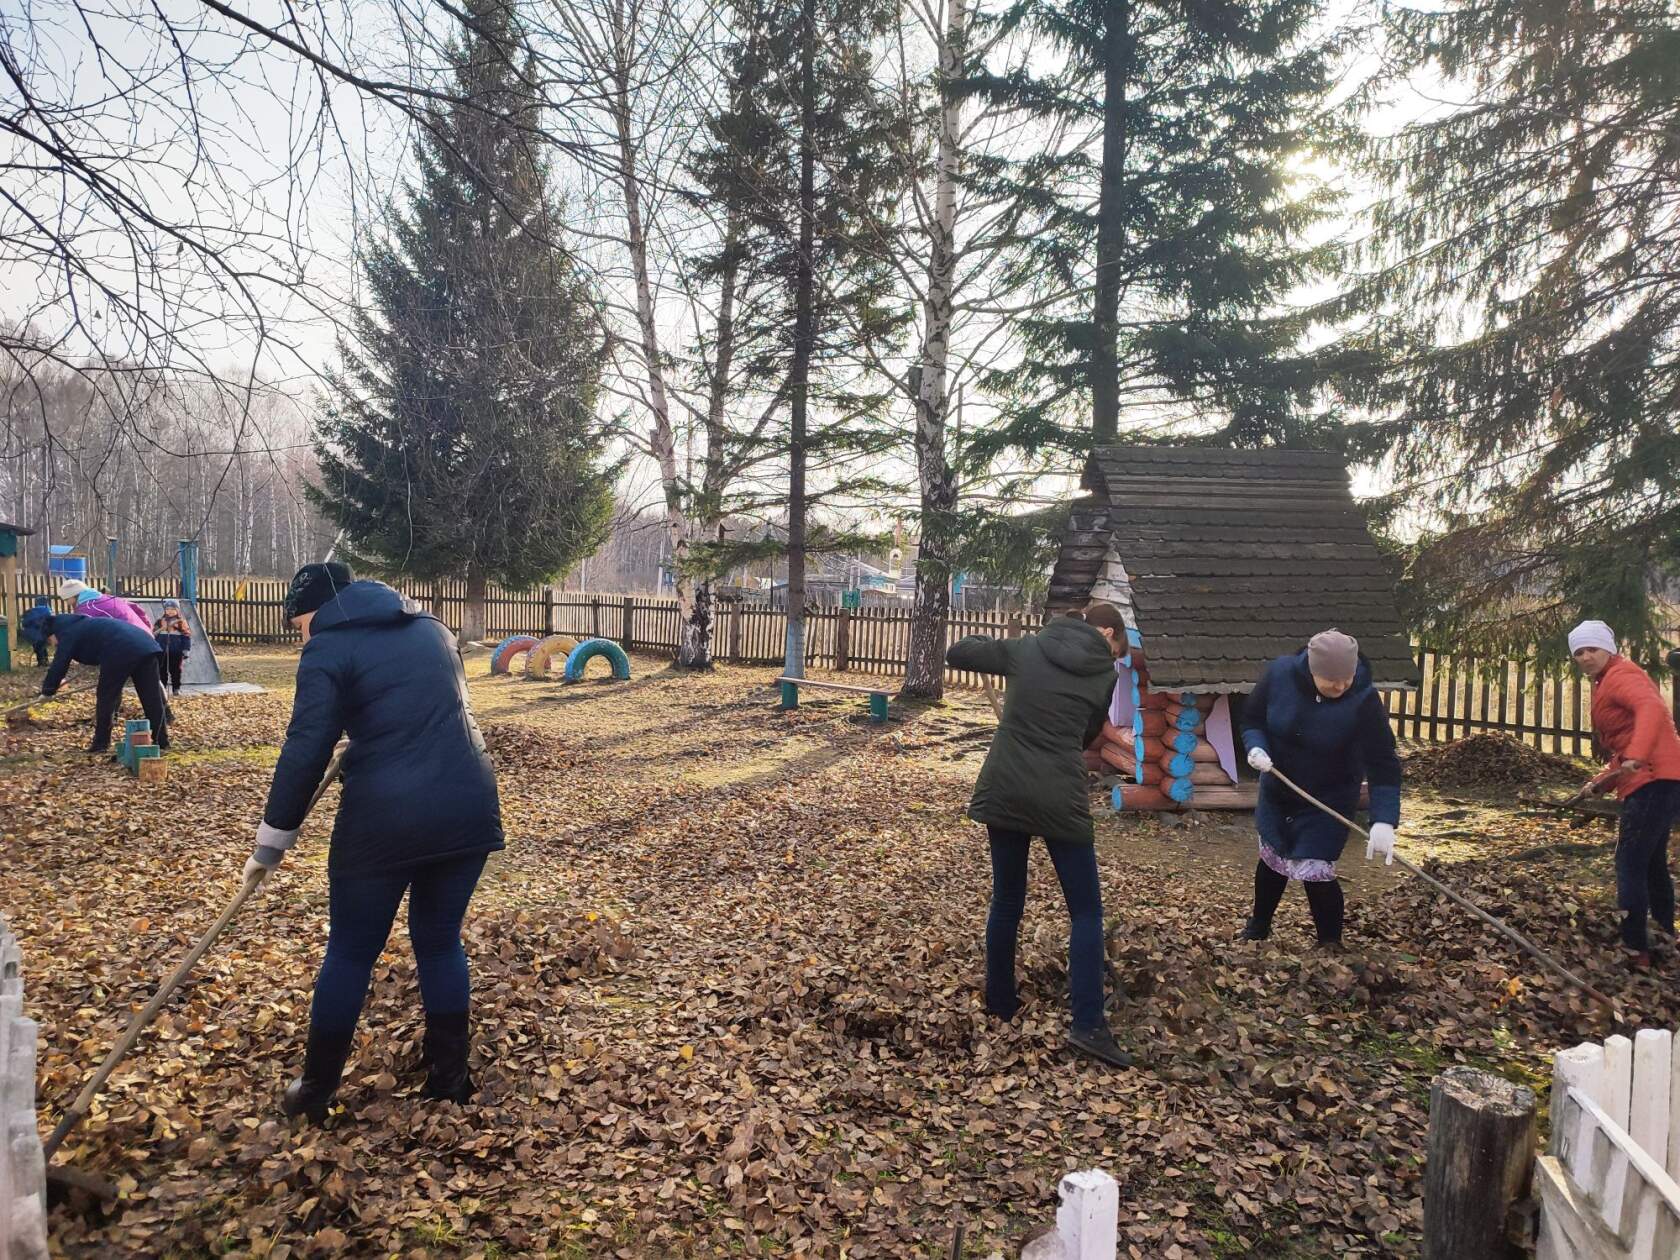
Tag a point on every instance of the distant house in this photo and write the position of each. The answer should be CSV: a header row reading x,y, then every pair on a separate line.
x,y
1222,560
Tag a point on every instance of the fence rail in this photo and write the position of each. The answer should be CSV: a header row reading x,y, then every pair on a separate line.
x,y
1606,1187
1459,695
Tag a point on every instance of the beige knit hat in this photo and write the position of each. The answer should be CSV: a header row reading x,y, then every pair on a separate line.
x,y
1332,654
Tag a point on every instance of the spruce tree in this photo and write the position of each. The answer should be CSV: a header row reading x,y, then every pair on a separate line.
x,y
1163,221
1524,367
802,162
464,439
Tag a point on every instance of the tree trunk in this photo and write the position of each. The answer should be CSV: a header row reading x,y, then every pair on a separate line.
x,y
475,613
799,385
1481,1150
1111,227
694,630
693,641
924,673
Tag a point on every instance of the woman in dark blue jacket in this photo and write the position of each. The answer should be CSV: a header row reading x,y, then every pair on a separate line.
x,y
419,814
123,653
1316,717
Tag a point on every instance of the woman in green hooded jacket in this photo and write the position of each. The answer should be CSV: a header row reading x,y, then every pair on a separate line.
x,y
1033,784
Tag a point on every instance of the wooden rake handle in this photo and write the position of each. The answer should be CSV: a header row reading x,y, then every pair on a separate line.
x,y
61,694
1510,933
78,1110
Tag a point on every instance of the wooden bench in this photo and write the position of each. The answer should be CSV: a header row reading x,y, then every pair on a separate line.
x,y
877,696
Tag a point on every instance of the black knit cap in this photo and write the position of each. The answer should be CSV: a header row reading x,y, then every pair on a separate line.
x,y
313,585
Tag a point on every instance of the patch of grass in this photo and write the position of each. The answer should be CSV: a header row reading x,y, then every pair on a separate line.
x,y
1380,1044
258,755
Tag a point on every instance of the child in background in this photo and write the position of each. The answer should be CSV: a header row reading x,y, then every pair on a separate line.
x,y
40,642
174,636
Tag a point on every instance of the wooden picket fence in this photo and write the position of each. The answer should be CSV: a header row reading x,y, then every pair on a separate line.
x,y
1463,695
1460,695
252,610
1607,1185
23,1169
863,640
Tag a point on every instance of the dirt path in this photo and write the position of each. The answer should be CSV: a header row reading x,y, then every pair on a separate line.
x,y
725,987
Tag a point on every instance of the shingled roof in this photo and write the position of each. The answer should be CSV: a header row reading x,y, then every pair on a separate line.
x,y
1233,558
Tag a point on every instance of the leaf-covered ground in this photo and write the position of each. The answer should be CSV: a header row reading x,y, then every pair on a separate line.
x,y
727,1004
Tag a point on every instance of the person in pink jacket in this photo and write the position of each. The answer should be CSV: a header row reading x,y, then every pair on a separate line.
x,y
92,603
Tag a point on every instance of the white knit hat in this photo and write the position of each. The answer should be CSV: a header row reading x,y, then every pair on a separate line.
x,y
1593,634
70,588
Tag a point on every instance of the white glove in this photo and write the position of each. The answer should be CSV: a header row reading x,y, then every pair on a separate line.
x,y
1381,841
1260,759
255,868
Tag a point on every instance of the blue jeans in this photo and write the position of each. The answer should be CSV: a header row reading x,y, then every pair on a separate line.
x,y
1076,868
363,909
1643,883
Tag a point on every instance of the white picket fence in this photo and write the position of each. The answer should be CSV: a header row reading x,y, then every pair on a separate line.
x,y
23,1171
1607,1185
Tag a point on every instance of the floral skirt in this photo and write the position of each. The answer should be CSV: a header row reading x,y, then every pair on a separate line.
x,y
1308,870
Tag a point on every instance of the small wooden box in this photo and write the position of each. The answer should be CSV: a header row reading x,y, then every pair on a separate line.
x,y
153,770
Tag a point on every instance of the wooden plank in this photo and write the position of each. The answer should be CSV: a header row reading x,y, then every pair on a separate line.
x,y
1522,698
834,686
1557,713
1575,709
1569,1224
1451,715
1618,1079
1581,1067
1653,1052
1435,697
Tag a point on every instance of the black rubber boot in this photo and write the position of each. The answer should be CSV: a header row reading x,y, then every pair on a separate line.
x,y
447,1047
1099,1044
1254,930
312,1093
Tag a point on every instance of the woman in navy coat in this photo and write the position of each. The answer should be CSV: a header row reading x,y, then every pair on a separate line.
x,y
1315,716
419,814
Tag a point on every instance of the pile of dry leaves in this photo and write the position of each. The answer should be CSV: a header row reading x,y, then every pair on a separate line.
x,y
1489,761
725,986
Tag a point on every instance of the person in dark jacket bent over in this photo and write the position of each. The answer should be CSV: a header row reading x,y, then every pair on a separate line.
x,y
419,813
1033,784
1315,716
123,653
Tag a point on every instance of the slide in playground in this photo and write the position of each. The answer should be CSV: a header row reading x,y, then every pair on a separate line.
x,y
203,674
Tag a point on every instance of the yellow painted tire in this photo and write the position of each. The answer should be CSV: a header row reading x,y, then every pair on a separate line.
x,y
539,661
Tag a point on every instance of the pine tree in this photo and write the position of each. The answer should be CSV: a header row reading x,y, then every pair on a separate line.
x,y
1525,366
464,437
1163,220
803,165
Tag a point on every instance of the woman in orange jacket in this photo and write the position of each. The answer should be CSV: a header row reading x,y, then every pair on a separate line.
x,y
1633,721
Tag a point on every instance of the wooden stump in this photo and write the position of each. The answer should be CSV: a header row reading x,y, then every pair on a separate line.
x,y
1481,1155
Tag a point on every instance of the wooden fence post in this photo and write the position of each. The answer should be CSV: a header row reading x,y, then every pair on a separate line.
x,y
548,610
842,638
1481,1153
629,615
595,616
1015,625
735,631
1674,681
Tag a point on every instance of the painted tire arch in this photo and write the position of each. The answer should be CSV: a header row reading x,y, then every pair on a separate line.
x,y
501,660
